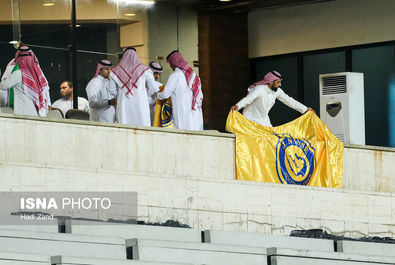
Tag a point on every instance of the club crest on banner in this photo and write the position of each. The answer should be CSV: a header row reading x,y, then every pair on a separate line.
x,y
295,160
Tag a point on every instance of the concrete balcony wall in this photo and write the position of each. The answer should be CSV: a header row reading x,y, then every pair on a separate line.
x,y
83,146
187,177
369,168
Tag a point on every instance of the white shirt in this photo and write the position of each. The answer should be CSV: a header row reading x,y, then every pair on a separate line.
x,y
65,105
4,93
100,90
134,109
181,100
258,103
23,105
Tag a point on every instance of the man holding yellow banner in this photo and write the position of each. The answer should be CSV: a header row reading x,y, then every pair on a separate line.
x,y
262,96
301,152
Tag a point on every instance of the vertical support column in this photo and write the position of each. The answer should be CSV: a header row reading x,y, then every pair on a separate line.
x,y
16,20
300,79
73,54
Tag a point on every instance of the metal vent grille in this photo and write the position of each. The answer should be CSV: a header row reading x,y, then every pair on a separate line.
x,y
334,85
340,137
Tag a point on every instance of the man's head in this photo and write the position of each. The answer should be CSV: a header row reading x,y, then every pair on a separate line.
x,y
274,85
105,71
175,60
66,90
156,68
104,68
128,50
273,80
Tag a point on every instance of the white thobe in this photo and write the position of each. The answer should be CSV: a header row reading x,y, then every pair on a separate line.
x,y
134,109
100,90
181,98
23,105
152,102
258,103
65,105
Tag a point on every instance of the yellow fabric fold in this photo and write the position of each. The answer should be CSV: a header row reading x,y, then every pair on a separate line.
x,y
301,152
163,116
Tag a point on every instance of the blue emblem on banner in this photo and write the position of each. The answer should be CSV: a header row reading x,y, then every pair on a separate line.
x,y
167,116
294,160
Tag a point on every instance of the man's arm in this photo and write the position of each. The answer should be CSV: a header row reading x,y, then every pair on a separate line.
x,y
11,81
290,102
112,89
93,93
169,88
247,100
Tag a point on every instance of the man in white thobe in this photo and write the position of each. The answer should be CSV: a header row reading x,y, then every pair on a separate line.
x,y
7,95
65,103
185,90
157,69
102,94
262,96
135,83
30,87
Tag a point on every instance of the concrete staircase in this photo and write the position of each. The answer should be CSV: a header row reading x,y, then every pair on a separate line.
x,y
151,245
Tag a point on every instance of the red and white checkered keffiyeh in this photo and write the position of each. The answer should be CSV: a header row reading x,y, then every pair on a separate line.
x,y
34,82
268,78
26,50
129,70
176,60
11,64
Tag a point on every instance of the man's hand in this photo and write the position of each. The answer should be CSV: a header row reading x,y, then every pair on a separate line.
x,y
235,108
112,102
310,109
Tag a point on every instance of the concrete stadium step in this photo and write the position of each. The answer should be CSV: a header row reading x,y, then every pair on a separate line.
x,y
198,253
278,256
267,241
62,244
366,248
19,258
68,260
136,231
14,222
32,228
7,110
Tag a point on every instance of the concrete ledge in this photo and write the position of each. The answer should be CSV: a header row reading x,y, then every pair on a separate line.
x,y
267,241
14,222
20,258
170,251
117,125
136,231
366,248
63,260
63,244
280,256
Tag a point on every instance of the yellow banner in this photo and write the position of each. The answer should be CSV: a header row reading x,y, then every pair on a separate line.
x,y
163,116
301,152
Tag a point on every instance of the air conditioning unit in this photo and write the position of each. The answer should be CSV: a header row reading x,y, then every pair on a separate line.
x,y
342,106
